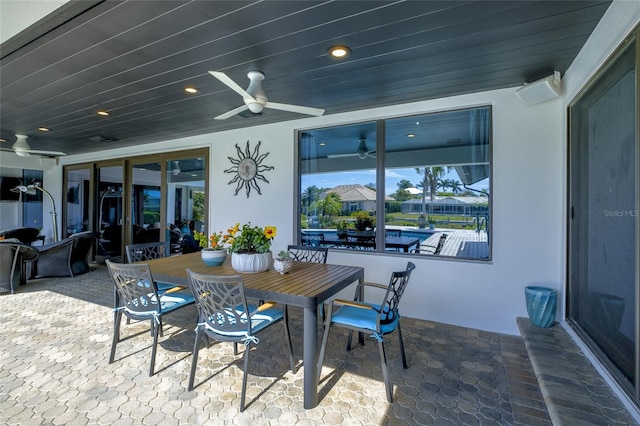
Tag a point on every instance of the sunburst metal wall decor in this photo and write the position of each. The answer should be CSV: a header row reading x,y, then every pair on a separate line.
x,y
248,168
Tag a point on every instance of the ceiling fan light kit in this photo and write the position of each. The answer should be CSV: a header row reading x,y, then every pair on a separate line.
x,y
362,152
255,98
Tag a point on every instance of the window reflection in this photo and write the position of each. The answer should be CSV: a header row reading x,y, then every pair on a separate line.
x,y
435,189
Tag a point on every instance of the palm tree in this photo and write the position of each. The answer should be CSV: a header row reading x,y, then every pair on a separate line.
x,y
456,186
429,182
329,206
310,196
443,184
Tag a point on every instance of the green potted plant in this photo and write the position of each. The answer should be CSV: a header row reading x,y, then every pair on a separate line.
x,y
250,247
213,250
432,222
364,223
342,229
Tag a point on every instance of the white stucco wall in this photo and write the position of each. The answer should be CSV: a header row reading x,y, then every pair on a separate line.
x,y
527,195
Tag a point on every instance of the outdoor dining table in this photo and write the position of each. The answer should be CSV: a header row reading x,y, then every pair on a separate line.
x,y
403,243
306,285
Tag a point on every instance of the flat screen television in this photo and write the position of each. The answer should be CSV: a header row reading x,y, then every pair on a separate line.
x,y
6,185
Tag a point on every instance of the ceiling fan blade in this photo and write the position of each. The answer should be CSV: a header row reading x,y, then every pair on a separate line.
x,y
21,153
47,153
231,113
295,108
231,84
367,155
342,155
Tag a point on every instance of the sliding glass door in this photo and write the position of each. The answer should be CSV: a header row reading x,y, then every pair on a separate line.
x,y
158,197
604,218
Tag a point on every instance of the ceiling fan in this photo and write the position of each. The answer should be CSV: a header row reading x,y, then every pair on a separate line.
x,y
22,148
255,99
362,152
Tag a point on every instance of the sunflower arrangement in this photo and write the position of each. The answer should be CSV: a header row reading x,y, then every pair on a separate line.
x,y
250,239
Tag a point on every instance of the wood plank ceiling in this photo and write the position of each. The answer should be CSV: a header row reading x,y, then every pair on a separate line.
x,y
133,59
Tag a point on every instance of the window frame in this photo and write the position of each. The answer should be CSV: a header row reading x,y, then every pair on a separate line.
x,y
380,171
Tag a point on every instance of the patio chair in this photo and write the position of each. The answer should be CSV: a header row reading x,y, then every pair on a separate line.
x,y
308,254
24,235
138,298
376,320
392,233
146,251
437,248
13,258
361,242
222,316
313,240
65,258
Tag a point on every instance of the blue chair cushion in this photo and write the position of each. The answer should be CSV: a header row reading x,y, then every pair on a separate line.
x,y
259,320
164,286
175,300
350,316
168,302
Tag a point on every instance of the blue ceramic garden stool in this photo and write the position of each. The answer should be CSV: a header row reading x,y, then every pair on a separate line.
x,y
541,305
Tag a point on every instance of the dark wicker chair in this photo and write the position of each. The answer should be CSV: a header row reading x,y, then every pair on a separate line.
x,y
13,258
65,258
24,235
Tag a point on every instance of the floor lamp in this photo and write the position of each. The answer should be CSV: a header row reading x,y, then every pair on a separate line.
x,y
31,190
109,190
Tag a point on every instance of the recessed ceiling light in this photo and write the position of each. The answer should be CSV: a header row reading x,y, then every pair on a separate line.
x,y
191,90
103,113
339,52
411,135
322,144
44,129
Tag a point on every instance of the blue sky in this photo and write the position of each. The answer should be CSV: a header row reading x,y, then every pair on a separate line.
x,y
393,176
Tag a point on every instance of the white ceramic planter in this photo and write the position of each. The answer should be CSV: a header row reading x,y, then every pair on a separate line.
x,y
254,262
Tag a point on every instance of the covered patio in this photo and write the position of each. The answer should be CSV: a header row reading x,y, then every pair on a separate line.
x,y
57,333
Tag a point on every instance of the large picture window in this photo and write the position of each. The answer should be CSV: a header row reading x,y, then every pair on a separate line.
x,y
416,185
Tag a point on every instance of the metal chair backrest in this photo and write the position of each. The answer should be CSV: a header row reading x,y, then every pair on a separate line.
x,y
222,306
393,232
361,242
313,240
136,292
147,251
440,244
308,254
397,284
